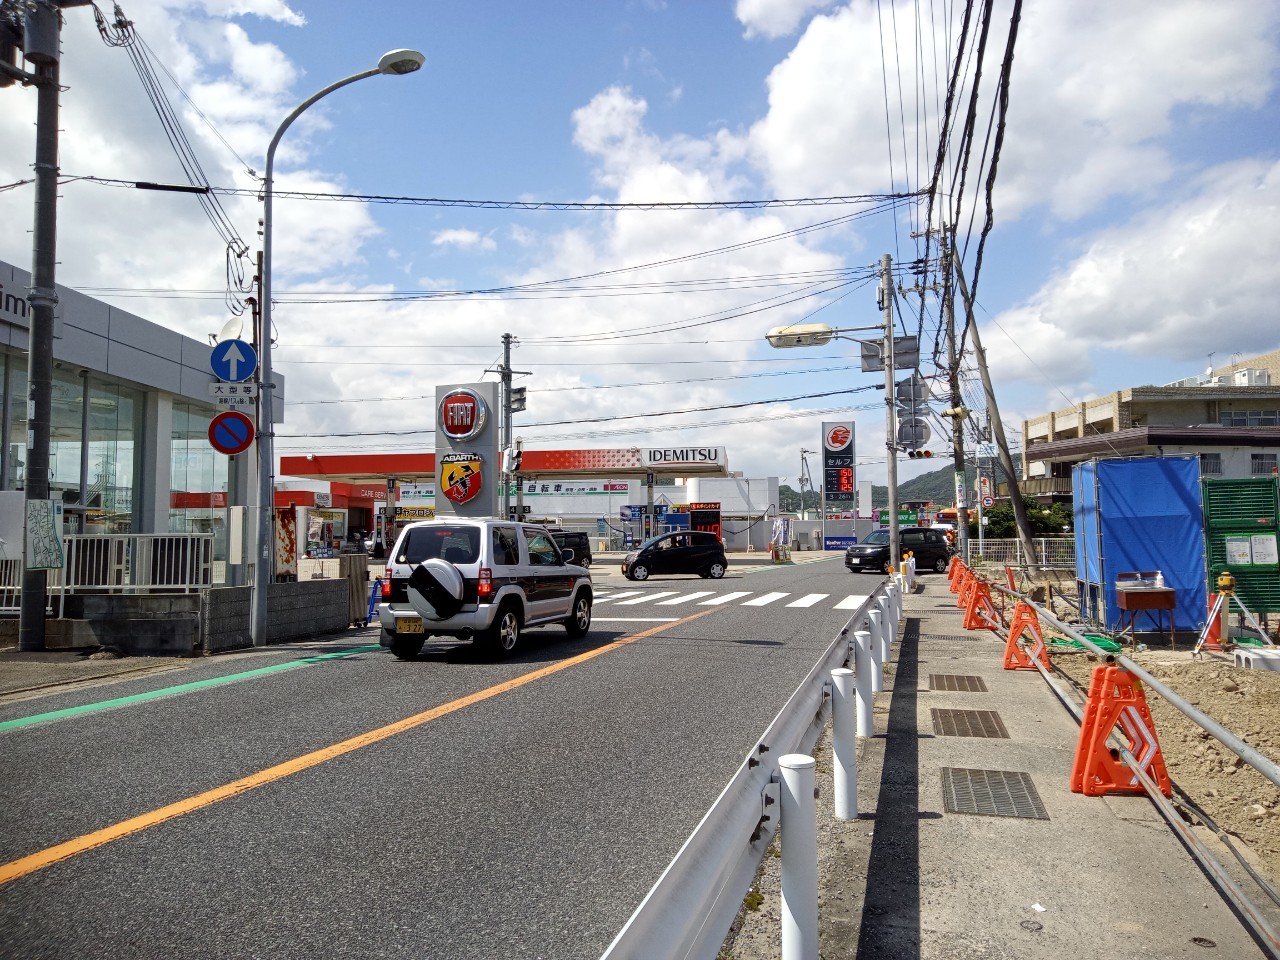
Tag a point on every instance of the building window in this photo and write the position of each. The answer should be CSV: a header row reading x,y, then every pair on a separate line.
x,y
1264,464
1210,464
198,477
1250,418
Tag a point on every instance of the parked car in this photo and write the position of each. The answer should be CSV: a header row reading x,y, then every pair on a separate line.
x,y
487,580
687,552
579,543
929,546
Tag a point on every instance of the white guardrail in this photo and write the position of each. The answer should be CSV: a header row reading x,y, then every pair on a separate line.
x,y
689,911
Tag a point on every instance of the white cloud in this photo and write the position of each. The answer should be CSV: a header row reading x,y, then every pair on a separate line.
x,y
1181,280
463,239
772,19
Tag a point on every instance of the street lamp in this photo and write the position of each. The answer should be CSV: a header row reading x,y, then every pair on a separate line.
x,y
395,63
819,334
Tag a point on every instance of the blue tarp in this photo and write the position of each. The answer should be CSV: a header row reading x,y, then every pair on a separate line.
x,y
1141,514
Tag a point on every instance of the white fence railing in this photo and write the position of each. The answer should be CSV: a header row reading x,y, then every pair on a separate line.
x,y
119,563
1052,552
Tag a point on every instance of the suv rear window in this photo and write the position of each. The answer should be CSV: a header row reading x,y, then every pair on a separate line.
x,y
456,544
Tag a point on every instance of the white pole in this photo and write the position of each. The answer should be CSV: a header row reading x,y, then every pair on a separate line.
x,y
862,676
799,858
844,747
875,627
890,624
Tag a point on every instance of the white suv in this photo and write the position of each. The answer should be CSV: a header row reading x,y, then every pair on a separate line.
x,y
483,579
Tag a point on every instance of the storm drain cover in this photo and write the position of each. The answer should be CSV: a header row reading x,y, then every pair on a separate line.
x,y
991,793
968,723
957,682
948,637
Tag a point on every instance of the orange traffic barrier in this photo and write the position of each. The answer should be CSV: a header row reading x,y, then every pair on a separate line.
x,y
967,583
1025,620
962,572
1116,700
953,569
1008,575
979,613
1213,627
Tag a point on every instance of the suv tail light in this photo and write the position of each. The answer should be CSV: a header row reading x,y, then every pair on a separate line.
x,y
386,586
484,589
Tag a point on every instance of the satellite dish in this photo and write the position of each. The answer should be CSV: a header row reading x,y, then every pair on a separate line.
x,y
232,329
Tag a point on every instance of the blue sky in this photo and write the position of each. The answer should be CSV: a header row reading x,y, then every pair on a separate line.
x,y
1136,226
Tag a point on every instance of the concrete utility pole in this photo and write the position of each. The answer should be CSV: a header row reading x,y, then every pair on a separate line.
x,y
504,439
997,426
40,45
957,406
890,403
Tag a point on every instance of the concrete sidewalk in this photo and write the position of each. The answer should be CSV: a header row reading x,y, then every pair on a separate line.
x,y
1053,873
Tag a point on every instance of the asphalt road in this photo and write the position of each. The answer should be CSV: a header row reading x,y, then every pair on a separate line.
x,y
521,809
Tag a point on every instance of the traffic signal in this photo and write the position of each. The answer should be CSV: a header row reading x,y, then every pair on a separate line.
x,y
919,454
514,465
517,399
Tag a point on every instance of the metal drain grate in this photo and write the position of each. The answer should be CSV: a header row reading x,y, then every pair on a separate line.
x,y
991,793
968,723
948,636
957,682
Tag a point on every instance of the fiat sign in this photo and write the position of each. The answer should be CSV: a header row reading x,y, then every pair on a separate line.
x,y
462,414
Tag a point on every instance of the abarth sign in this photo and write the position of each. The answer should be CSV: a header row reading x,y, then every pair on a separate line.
x,y
460,476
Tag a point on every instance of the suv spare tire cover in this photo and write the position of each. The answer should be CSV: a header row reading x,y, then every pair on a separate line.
x,y
435,589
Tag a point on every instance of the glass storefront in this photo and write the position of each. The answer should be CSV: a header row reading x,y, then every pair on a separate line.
x,y
198,502
108,463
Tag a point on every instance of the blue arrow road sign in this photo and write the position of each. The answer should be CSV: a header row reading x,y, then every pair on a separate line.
x,y
233,360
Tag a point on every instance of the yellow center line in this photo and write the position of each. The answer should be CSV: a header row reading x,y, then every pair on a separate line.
x,y
89,841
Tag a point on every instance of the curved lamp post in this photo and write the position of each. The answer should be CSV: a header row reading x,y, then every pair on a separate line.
x,y
394,63
820,334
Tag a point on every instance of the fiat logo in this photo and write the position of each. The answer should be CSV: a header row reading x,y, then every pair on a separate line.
x,y
838,437
462,414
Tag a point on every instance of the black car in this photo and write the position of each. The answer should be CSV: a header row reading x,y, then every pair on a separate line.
x,y
579,543
930,547
685,552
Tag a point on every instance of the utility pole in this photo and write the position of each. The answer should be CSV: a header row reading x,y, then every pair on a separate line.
x,y
890,425
40,45
804,472
997,426
956,411
504,441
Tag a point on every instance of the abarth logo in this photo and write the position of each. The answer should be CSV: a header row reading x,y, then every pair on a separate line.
x,y
460,476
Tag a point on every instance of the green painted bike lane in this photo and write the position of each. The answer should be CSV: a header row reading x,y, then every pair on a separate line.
x,y
179,689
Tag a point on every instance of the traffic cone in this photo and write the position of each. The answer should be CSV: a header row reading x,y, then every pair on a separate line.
x,y
1116,699
1213,628
1025,620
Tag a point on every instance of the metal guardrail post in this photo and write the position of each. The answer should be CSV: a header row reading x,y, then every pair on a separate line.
x,y
799,858
844,746
875,647
862,670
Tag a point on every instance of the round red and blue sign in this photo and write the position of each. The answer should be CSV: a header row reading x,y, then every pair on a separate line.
x,y
231,432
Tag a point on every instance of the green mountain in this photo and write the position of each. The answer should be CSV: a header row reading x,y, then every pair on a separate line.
x,y
937,486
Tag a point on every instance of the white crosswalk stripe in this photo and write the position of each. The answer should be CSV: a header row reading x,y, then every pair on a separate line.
x,y
647,598
808,600
724,598
851,603
616,596
765,600
685,598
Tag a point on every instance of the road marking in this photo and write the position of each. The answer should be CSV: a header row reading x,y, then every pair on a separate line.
x,y
617,596
180,689
809,600
23,866
851,603
765,600
648,598
686,598
724,598
635,619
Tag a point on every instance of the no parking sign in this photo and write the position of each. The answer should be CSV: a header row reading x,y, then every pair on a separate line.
x,y
231,432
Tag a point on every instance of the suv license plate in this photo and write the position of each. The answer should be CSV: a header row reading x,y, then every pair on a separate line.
x,y
406,625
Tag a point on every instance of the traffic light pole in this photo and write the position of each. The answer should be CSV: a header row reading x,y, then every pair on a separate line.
x,y
890,404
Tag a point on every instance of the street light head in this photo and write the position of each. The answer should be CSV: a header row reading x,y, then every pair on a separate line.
x,y
401,61
800,335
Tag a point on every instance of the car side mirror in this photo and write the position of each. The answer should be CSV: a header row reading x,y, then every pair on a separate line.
x,y
567,554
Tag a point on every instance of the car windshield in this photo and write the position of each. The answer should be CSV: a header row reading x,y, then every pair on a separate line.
x,y
452,542
877,537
